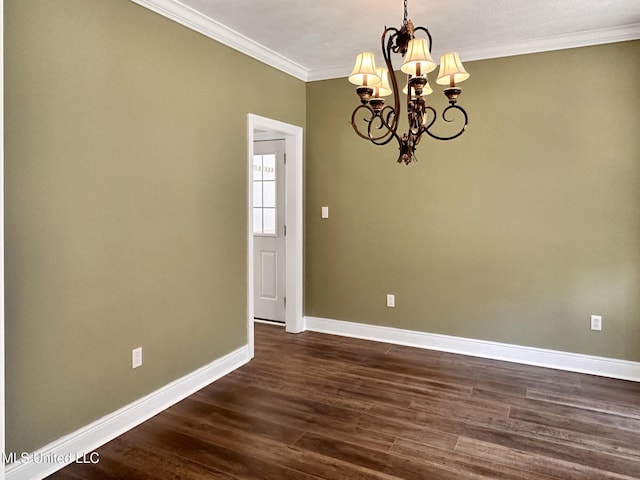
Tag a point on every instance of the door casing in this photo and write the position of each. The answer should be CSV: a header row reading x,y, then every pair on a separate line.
x,y
257,127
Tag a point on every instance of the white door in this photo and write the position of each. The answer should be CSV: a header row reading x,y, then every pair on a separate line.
x,y
269,230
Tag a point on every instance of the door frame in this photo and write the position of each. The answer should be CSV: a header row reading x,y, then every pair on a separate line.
x,y
293,135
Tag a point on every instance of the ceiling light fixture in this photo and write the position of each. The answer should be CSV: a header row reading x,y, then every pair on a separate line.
x,y
381,122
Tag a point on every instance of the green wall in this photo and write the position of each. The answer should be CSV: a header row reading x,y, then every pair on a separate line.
x,y
125,205
516,232
125,168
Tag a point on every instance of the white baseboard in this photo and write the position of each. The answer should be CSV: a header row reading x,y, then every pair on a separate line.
x,y
51,458
572,362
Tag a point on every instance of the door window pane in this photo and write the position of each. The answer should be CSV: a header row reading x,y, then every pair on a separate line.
x,y
264,194
257,167
269,221
269,167
269,194
257,220
257,194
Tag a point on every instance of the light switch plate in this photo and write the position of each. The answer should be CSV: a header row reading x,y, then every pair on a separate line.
x,y
391,300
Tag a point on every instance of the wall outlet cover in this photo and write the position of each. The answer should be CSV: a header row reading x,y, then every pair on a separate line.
x,y
136,357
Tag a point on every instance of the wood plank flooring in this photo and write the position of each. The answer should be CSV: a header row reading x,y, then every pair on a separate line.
x,y
313,406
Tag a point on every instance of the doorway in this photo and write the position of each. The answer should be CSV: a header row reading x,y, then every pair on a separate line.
x,y
262,128
269,230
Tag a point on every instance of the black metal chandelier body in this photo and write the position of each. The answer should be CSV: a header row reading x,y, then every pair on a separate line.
x,y
379,122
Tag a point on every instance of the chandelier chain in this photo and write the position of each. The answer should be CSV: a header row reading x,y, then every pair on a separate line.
x,y
405,11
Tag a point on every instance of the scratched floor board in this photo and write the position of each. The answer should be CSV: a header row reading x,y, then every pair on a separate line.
x,y
321,407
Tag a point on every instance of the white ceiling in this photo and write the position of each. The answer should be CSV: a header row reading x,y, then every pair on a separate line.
x,y
320,39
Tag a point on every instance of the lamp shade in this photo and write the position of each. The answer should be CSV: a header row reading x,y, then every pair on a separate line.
x,y
426,90
451,70
383,89
417,60
364,71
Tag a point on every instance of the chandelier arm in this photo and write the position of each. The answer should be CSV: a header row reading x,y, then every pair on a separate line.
x,y
425,30
389,134
386,136
444,117
386,53
353,119
425,127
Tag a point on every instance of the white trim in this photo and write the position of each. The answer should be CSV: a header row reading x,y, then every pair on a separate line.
x,y
572,362
268,322
621,33
329,73
294,320
557,42
294,239
90,437
190,18
267,136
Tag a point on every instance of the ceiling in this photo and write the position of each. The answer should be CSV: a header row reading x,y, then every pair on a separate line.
x,y
320,39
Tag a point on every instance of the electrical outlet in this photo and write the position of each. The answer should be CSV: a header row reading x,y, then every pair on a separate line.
x,y
136,357
391,300
596,322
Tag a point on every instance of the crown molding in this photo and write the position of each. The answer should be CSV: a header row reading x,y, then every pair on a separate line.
x,y
190,18
621,33
194,20
341,71
587,38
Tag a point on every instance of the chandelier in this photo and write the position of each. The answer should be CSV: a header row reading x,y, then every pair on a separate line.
x,y
379,122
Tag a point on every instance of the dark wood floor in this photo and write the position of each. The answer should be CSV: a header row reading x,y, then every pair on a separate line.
x,y
313,406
